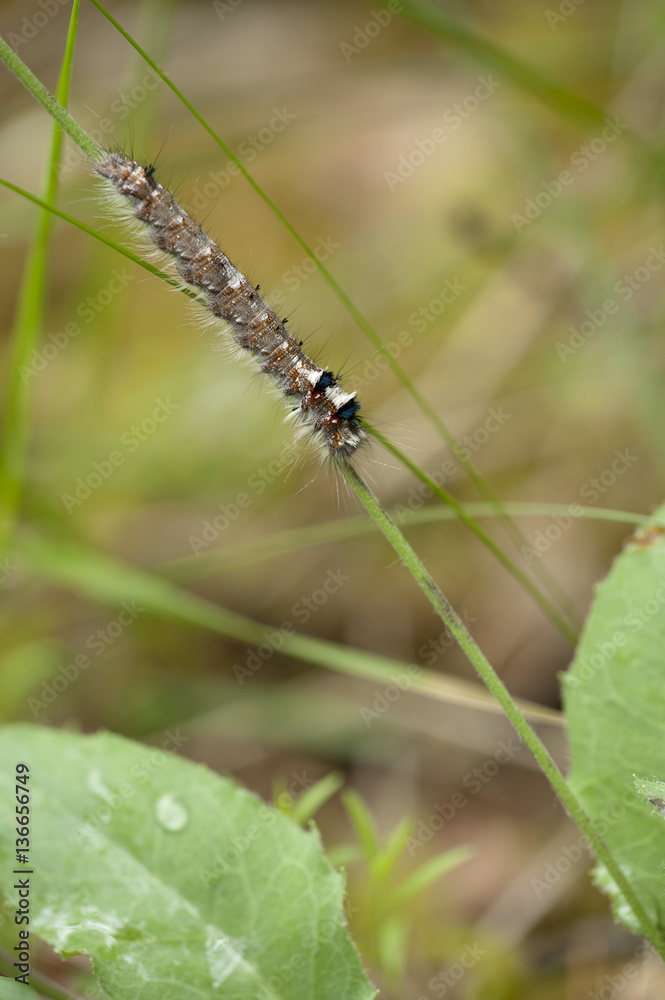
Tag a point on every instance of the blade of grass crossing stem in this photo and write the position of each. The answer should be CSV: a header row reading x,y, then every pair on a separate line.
x,y
28,324
564,627
485,488
469,466
497,688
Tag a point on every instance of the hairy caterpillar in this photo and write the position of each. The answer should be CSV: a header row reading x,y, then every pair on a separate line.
x,y
317,396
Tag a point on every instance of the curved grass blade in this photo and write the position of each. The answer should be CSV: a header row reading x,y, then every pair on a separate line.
x,y
28,323
562,100
233,555
95,575
549,609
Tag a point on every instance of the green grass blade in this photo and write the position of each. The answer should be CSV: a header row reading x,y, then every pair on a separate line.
x,y
101,578
485,488
388,857
392,946
281,543
28,323
312,799
560,99
362,822
428,873
567,630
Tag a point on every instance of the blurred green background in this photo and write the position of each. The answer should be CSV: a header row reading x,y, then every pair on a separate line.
x,y
506,240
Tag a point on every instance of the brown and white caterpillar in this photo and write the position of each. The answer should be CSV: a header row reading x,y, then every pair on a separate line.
x,y
321,402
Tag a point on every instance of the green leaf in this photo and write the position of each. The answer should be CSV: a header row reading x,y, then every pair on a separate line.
x,y
615,702
176,882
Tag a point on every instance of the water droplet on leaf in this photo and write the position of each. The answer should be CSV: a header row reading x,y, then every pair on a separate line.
x,y
171,814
